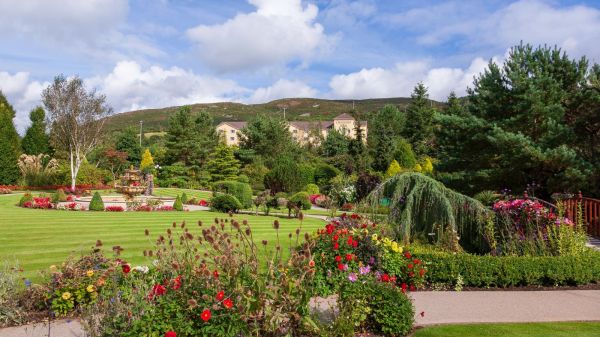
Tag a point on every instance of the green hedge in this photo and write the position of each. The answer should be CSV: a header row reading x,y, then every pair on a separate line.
x,y
96,204
242,191
301,200
225,203
506,271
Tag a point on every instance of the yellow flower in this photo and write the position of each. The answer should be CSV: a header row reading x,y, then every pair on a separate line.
x,y
90,288
374,237
66,295
90,273
52,268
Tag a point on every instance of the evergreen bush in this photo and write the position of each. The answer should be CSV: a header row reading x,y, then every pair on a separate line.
x,y
184,198
312,189
301,200
242,191
225,203
96,204
178,204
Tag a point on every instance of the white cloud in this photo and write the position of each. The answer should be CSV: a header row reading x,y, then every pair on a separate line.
x,y
347,14
279,31
281,89
130,87
400,80
22,93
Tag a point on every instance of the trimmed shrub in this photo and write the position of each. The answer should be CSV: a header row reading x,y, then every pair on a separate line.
x,y
392,312
312,189
225,203
96,204
324,173
242,191
184,198
301,200
507,271
178,204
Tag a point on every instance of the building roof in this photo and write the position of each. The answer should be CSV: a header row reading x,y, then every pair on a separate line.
x,y
235,125
343,116
304,125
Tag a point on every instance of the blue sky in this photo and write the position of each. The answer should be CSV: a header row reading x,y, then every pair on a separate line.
x,y
158,53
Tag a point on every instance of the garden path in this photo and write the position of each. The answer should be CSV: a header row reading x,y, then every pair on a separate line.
x,y
593,243
437,307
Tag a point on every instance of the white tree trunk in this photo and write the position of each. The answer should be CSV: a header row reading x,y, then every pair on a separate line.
x,y
73,176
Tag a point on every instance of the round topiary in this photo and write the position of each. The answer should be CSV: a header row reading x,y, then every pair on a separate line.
x,y
301,200
178,205
312,189
96,204
392,312
225,203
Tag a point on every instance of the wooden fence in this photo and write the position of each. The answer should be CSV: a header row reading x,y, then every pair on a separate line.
x,y
590,212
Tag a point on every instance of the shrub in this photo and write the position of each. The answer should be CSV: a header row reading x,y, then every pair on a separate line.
x,y
506,271
26,198
114,208
184,198
59,196
312,189
242,191
96,204
486,197
392,312
11,313
225,203
242,178
301,200
178,204
324,173
286,176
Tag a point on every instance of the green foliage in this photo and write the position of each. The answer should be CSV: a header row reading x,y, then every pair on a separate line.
x,y
385,129
419,128
9,144
421,205
392,311
301,200
324,173
222,165
393,169
25,198
312,189
336,144
59,196
404,154
267,136
225,203
184,198
256,174
242,191
90,174
36,140
96,204
147,163
178,204
285,176
507,271
176,175
11,311
128,141
486,197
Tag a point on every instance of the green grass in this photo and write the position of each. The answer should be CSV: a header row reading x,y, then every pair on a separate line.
x,y
173,192
37,239
570,329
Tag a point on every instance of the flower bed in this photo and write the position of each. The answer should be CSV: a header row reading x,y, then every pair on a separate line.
x,y
5,190
114,208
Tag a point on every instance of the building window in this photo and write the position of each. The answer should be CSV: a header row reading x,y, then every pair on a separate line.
x,y
295,131
232,138
232,131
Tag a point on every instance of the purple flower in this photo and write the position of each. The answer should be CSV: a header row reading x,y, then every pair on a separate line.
x,y
372,260
364,270
345,267
352,277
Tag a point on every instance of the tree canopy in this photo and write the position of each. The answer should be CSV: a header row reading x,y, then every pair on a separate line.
x,y
9,144
36,140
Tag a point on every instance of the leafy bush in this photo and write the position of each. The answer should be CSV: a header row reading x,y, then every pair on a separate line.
x,y
285,176
184,198
312,189
96,204
11,312
506,271
59,196
225,203
301,200
486,197
27,197
392,312
324,173
242,191
178,204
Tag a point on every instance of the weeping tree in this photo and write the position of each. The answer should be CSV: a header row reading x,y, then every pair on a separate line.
x,y
422,206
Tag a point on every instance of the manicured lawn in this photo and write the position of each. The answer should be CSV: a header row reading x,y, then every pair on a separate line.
x,y
39,238
575,329
173,192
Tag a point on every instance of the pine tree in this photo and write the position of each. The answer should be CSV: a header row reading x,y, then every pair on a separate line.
x,y
385,130
129,142
9,144
222,164
147,164
96,204
419,128
455,107
36,139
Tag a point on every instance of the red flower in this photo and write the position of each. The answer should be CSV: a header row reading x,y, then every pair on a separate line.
x,y
177,283
170,334
385,278
216,273
350,241
411,274
335,237
407,255
205,315
348,257
417,261
126,268
412,287
336,246
311,263
329,228
410,266
340,266
338,258
355,243
404,286
157,290
220,295
228,303
422,272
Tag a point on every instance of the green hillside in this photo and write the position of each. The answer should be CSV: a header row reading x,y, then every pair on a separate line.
x,y
311,109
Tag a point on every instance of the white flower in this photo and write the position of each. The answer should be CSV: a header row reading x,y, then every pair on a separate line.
x,y
155,263
141,269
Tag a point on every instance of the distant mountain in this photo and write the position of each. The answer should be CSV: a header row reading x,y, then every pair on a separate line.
x,y
301,109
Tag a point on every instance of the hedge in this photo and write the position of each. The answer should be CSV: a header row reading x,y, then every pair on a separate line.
x,y
242,191
301,200
225,203
506,271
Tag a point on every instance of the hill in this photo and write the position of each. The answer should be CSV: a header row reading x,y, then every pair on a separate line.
x,y
302,109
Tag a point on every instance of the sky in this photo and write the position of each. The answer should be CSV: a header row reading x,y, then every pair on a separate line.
x,y
159,53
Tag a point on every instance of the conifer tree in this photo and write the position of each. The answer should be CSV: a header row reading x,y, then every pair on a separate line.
x,y
222,164
385,130
129,142
393,169
147,163
419,128
9,144
36,139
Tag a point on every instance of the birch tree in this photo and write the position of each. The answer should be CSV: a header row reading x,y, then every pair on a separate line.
x,y
76,117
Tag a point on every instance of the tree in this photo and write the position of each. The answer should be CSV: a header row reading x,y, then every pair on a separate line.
x,y
267,136
115,161
147,164
36,139
404,154
455,107
393,169
385,129
357,150
419,128
128,142
76,117
285,176
9,144
222,164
